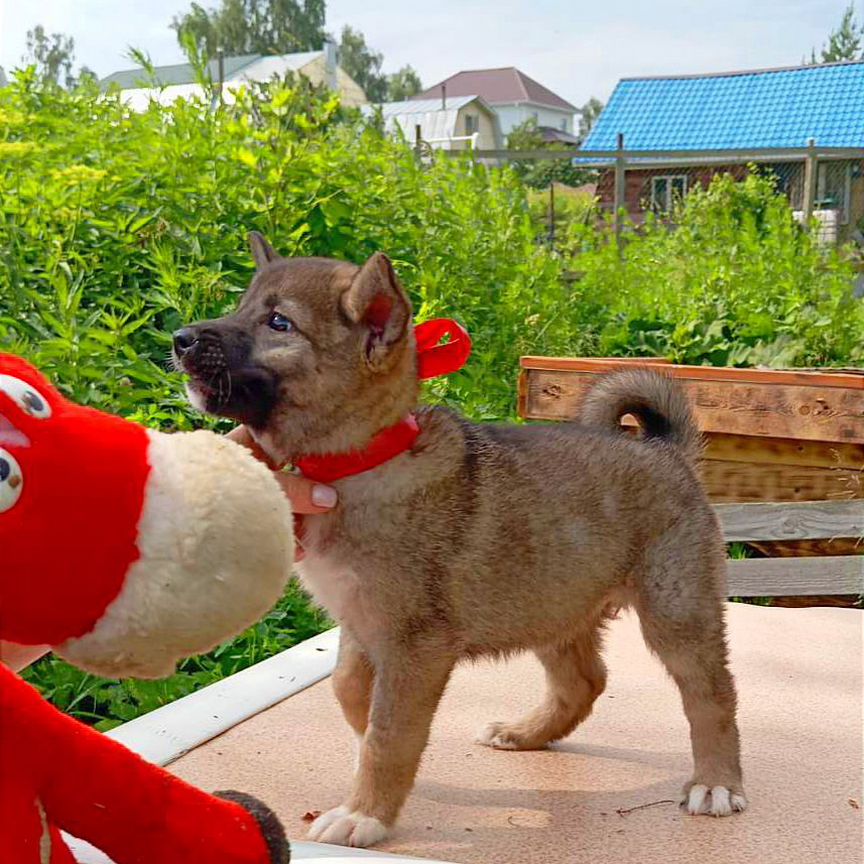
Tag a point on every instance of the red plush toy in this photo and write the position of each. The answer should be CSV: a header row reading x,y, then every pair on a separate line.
x,y
125,550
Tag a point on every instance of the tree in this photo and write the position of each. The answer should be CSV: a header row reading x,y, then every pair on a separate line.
x,y
362,64
588,115
844,43
254,26
52,55
403,84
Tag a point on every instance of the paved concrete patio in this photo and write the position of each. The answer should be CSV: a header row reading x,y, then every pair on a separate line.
x,y
799,674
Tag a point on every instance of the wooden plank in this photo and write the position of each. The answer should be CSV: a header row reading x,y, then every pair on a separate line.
x,y
810,520
784,451
757,154
744,408
754,481
805,378
768,577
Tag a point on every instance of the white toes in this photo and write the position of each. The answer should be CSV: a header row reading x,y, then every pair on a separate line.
x,y
493,735
696,799
324,821
342,828
739,803
718,801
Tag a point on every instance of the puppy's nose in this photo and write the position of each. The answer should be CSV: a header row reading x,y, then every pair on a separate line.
x,y
184,340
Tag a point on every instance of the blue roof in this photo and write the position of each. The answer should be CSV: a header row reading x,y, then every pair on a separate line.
x,y
770,108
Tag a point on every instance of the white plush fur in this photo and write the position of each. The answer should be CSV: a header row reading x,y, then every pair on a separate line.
x,y
216,546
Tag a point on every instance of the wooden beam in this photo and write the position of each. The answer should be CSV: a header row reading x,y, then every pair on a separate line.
x,y
758,481
726,157
785,451
810,520
742,407
811,167
845,379
778,577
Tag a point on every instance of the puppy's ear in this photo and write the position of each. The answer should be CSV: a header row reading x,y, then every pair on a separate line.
x,y
262,251
377,301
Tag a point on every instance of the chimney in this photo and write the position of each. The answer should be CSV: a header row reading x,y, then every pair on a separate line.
x,y
331,64
443,97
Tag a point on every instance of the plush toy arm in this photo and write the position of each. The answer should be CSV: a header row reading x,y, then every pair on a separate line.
x,y
97,790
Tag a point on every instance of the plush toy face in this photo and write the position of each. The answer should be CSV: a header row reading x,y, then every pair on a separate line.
x,y
124,548
66,472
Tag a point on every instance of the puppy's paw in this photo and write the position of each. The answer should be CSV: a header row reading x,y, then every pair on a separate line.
x,y
506,736
713,801
343,828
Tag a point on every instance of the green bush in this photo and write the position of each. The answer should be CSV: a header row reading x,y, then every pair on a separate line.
x,y
116,228
733,280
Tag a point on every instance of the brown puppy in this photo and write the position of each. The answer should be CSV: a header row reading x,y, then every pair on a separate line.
x,y
482,539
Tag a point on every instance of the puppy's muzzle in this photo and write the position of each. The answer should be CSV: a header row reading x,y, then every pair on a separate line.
x,y
200,353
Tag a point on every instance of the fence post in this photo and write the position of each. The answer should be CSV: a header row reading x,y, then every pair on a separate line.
x,y
552,215
418,140
810,171
620,187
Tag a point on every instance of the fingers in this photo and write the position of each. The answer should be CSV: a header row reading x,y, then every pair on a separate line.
x,y
307,496
16,656
242,436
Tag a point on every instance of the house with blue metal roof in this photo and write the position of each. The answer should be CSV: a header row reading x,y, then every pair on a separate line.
x,y
712,115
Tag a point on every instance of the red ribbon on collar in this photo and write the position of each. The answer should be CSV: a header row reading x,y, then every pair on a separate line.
x,y
434,358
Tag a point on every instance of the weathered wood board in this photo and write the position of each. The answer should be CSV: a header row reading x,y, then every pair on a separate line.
x,y
740,407
812,520
766,577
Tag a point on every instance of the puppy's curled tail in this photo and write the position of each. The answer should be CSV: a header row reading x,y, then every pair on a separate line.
x,y
655,400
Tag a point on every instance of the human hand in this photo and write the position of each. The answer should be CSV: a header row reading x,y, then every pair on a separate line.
x,y
16,656
306,496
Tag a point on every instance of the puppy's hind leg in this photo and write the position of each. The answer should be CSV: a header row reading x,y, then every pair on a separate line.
x,y
575,677
682,620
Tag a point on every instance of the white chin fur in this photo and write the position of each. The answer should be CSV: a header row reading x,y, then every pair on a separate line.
x,y
216,549
196,399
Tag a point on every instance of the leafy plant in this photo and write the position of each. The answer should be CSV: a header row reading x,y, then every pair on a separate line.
x,y
730,280
118,227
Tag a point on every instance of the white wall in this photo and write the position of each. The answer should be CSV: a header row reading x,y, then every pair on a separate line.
x,y
514,115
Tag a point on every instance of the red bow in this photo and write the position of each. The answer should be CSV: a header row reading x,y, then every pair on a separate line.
x,y
433,359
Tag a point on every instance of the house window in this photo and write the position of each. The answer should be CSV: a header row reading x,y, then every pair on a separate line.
x,y
564,125
834,188
666,190
472,124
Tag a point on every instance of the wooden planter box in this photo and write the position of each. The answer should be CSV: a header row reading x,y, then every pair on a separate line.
x,y
770,435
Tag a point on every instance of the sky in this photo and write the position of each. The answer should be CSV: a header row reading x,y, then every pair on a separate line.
x,y
578,49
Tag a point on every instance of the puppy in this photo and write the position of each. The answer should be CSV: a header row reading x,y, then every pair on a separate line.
x,y
479,540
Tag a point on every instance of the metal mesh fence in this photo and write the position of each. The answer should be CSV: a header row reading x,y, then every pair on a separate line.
x,y
825,186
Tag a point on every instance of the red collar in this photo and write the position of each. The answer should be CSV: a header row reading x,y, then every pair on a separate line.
x,y
433,359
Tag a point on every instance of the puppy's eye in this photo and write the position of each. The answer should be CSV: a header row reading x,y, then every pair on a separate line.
x,y
27,397
11,481
277,321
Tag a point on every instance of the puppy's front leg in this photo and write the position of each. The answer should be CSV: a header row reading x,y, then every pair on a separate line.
x,y
409,682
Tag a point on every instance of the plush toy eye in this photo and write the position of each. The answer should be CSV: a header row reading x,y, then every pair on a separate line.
x,y
277,321
26,396
11,481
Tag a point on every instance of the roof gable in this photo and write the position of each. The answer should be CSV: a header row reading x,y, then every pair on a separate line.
x,y
498,86
178,73
435,122
739,110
